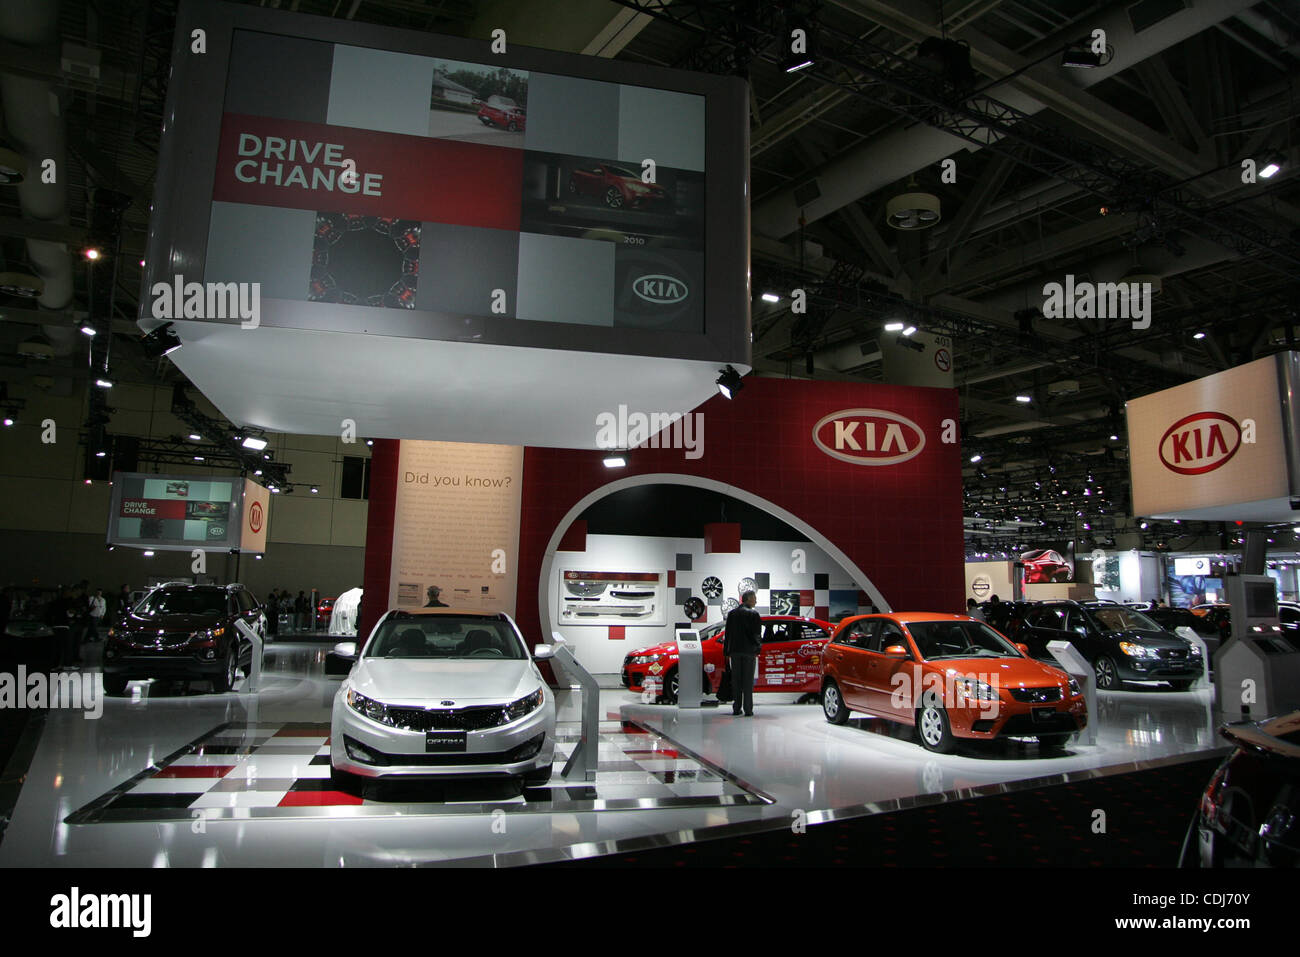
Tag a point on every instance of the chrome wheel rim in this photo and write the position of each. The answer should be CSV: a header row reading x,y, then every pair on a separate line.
x,y
1105,673
230,671
831,701
931,726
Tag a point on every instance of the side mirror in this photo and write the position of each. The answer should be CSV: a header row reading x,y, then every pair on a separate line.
x,y
896,651
346,649
542,652
1023,649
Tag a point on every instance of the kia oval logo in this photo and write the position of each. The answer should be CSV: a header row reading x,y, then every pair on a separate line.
x,y
255,517
660,290
869,437
1200,443
448,702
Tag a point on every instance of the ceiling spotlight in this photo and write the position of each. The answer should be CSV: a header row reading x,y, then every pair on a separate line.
x,y
771,297
1114,438
198,458
1271,166
161,341
258,472
916,210
254,443
894,326
615,462
1142,525
148,554
1198,335
195,437
1024,398
729,383
272,489
104,383
370,441
8,420
101,454
314,490
909,330
87,330
92,254
976,457
266,456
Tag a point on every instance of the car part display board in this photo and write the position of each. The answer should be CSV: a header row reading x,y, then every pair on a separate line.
x,y
611,598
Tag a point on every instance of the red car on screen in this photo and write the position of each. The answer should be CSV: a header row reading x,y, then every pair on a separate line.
x,y
791,659
617,186
503,112
1044,566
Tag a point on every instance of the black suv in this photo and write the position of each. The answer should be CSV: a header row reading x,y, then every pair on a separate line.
x,y
1121,643
183,632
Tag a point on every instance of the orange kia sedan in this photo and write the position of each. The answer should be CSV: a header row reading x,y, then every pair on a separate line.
x,y
949,675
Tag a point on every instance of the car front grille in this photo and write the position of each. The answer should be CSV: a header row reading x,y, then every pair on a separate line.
x,y
1171,654
375,758
1037,695
447,719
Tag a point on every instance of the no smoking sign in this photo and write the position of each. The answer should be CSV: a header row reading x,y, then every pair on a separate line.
x,y
942,360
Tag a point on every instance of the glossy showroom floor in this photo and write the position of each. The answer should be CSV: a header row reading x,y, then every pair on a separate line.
x,y
166,778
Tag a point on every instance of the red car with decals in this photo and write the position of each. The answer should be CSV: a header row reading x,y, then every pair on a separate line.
x,y
791,659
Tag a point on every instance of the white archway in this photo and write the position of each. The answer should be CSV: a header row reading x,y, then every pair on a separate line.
x,y
672,478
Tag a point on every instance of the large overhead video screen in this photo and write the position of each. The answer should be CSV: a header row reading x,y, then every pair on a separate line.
x,y
174,511
410,185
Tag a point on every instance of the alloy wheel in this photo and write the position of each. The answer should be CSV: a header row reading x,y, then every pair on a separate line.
x,y
931,726
831,700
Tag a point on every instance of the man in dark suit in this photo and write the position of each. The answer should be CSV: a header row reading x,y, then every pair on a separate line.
x,y
741,644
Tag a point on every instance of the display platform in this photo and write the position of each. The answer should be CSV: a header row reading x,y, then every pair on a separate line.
x,y
183,778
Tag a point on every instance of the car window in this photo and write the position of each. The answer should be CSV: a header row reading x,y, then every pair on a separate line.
x,y
1050,617
812,632
777,631
1123,619
1076,621
889,634
859,634
959,639
445,636
168,601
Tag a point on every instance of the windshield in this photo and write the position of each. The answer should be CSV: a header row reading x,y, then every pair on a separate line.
x,y
959,639
182,602
1123,619
446,636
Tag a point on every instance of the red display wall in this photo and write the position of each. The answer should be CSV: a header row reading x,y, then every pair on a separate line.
x,y
900,523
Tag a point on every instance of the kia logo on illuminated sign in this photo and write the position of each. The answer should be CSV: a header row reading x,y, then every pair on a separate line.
x,y
1200,443
660,290
869,437
255,517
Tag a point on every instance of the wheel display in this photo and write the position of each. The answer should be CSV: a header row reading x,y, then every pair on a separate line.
x,y
712,587
1107,674
833,704
693,608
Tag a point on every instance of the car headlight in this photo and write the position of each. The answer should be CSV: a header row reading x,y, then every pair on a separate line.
x,y
1134,650
525,705
1074,687
374,710
979,690
645,659
1195,650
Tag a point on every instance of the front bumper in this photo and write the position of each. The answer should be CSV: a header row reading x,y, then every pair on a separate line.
x,y
1017,719
1158,669
369,749
138,666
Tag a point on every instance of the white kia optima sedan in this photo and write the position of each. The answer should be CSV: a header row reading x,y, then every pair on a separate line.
x,y
437,692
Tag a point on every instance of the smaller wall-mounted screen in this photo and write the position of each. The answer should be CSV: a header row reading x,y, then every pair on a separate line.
x,y
1047,565
177,512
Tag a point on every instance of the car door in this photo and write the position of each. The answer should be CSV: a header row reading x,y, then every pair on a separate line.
x,y
846,660
879,682
776,658
1084,634
1045,624
806,671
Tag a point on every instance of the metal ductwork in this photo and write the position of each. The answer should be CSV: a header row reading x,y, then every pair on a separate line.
x,y
896,156
34,126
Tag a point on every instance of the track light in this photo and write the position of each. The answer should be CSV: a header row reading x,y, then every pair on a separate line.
x,y
729,382
770,297
893,327
92,254
615,462
909,330
104,383
88,330
161,341
254,443
1271,166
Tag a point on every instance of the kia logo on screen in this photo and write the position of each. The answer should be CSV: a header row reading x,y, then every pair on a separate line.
x,y
255,517
869,437
1200,443
660,290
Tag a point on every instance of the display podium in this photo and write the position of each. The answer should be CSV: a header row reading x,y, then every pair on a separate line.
x,y
1257,670
690,670
1076,666
255,670
585,759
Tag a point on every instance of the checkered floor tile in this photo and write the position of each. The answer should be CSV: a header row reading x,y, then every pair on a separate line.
x,y
283,770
